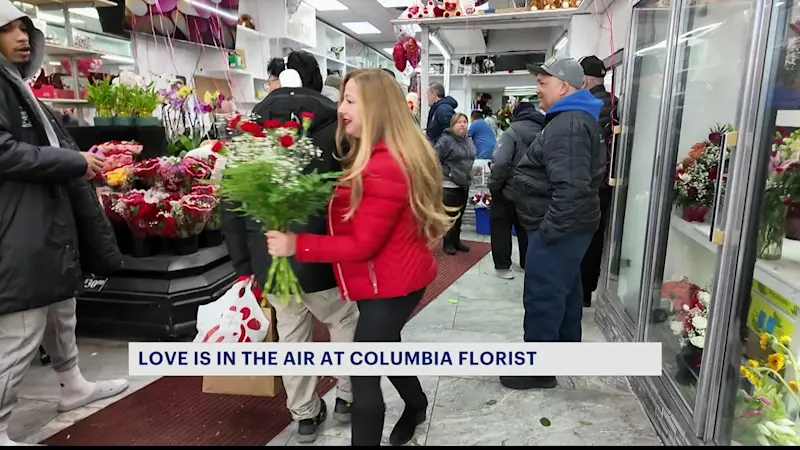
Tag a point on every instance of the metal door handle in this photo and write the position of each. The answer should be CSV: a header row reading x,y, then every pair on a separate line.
x,y
717,233
612,165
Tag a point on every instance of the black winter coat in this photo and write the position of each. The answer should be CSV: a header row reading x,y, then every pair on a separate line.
x,y
511,147
556,184
53,230
244,236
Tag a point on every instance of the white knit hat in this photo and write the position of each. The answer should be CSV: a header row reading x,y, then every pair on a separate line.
x,y
290,78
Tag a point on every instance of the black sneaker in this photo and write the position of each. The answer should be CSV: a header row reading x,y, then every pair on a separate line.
x,y
525,383
44,358
307,429
341,412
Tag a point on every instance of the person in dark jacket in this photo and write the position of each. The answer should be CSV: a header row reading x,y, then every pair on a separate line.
x,y
594,76
441,112
456,154
556,194
248,250
52,229
513,143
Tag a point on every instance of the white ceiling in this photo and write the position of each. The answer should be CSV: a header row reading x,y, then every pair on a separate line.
x,y
373,12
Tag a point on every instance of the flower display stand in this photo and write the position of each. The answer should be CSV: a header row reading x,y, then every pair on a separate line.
x,y
157,294
154,297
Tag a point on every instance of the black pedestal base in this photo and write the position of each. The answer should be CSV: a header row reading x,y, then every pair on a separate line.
x,y
155,297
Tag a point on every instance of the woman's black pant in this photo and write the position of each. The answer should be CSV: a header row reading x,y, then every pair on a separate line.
x,y
382,320
455,197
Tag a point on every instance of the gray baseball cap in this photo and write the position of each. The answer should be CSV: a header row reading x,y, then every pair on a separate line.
x,y
565,69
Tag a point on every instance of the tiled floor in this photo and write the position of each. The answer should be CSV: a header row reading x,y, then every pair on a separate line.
x,y
463,410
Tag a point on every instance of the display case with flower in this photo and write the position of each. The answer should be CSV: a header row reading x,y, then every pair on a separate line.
x,y
689,323
766,412
696,176
782,187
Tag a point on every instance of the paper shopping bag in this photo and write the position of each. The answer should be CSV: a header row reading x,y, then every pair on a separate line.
x,y
257,386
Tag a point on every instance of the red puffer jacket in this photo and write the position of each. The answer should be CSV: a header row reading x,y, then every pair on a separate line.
x,y
379,253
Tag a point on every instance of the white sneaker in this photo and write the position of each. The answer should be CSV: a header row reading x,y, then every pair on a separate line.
x,y
102,389
506,274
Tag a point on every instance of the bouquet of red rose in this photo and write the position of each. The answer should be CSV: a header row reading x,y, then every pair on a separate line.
x,y
215,220
147,171
191,213
266,174
140,211
174,174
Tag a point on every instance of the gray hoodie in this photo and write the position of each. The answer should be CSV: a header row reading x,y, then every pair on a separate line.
x,y
20,72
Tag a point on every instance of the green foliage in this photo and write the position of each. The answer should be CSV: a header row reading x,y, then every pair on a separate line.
x,y
103,96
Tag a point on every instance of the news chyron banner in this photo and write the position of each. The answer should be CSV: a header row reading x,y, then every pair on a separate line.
x,y
395,359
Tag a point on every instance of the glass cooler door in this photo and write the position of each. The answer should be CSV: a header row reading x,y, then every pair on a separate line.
x,y
686,223
635,154
758,399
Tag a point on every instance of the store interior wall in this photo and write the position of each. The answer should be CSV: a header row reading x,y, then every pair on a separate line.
x,y
592,34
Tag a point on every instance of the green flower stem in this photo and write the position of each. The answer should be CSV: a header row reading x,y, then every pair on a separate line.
x,y
767,370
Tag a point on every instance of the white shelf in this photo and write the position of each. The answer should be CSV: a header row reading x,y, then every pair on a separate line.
x,y
782,276
223,73
788,118
486,75
496,21
64,101
72,3
65,50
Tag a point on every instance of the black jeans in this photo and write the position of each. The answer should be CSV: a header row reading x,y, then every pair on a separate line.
x,y
381,320
502,216
455,197
593,259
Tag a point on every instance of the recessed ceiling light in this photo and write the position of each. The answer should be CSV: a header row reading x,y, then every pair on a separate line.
x,y
326,5
361,27
394,3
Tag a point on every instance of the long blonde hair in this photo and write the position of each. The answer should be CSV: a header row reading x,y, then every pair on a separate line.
x,y
384,116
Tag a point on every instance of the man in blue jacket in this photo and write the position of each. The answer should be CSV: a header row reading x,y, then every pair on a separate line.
x,y
482,136
442,110
556,188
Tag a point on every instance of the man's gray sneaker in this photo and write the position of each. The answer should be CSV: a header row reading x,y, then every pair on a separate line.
x,y
341,412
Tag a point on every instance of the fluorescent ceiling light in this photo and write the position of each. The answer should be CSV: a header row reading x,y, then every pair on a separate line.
x,y
119,59
214,10
438,44
561,43
55,19
394,3
87,12
326,5
361,27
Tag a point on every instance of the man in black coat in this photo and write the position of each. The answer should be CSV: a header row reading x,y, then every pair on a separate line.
x,y
248,249
512,145
594,76
52,229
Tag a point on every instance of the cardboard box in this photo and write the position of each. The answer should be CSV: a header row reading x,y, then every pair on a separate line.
x,y
262,386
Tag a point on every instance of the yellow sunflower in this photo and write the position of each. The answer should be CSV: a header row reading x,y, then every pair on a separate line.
x,y
753,363
744,371
776,361
784,339
793,386
764,341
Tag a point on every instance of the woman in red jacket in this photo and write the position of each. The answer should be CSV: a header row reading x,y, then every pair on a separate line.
x,y
383,220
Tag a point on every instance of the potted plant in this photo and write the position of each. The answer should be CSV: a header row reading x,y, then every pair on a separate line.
x,y
103,96
125,104
146,100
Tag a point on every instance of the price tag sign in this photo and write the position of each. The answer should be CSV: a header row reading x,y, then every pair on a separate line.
x,y
94,284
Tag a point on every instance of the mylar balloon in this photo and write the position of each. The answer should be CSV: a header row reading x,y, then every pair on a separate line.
x,y
399,56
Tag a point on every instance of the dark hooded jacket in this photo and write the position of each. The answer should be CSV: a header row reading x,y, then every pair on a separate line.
x,y
439,118
556,183
53,230
245,237
512,145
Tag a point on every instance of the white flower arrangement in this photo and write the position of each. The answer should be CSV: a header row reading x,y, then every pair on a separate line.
x,y
692,322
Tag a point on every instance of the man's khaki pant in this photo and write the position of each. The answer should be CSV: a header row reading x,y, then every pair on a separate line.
x,y
296,324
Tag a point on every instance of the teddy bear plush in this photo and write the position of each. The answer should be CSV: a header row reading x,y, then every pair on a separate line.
x,y
438,11
468,7
452,8
414,11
